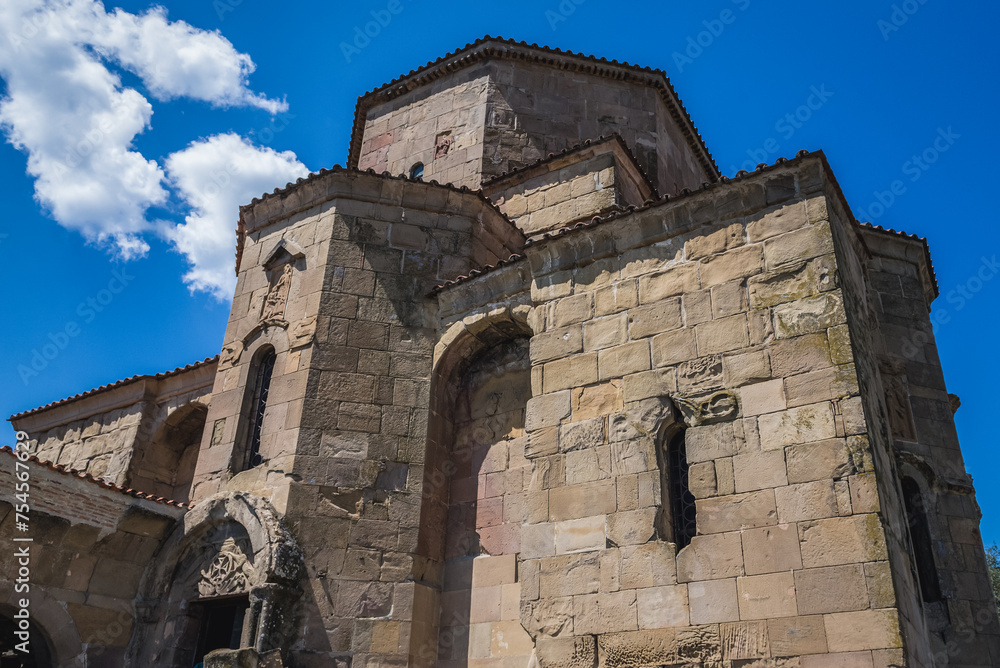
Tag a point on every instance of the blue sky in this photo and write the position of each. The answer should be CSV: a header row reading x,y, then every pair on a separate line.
x,y
885,81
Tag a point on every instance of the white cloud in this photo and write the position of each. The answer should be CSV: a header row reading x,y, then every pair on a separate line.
x,y
215,176
77,123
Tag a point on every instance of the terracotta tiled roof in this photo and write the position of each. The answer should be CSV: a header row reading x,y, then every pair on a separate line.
x,y
291,187
511,49
575,149
82,475
911,237
476,273
119,383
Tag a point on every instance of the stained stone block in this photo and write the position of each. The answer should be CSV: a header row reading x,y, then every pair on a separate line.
x,y
713,601
771,549
767,596
798,425
833,589
794,636
663,607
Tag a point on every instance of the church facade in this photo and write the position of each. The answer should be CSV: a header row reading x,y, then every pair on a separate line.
x,y
528,383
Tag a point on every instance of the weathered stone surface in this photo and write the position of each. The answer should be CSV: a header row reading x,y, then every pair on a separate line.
x,y
767,596
663,607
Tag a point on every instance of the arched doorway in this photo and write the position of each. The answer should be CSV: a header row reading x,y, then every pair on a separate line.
x,y
39,654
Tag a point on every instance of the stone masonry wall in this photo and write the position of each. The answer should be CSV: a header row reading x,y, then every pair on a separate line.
x,y
962,628
479,122
732,290
440,126
345,466
90,548
535,110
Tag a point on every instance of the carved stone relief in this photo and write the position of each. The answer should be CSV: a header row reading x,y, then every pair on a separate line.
x,y
229,573
706,409
277,293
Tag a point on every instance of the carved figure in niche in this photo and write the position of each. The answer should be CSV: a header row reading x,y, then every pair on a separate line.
x,y
442,144
277,294
229,573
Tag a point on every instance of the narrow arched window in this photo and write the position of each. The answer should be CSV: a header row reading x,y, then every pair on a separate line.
x,y
678,522
258,387
920,539
417,171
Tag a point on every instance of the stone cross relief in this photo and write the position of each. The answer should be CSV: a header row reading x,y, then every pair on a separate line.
x,y
229,573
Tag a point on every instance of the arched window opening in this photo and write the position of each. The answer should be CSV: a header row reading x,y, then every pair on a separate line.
x,y
417,171
255,408
678,520
920,539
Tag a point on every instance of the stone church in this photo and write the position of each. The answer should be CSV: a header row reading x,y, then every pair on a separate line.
x,y
528,383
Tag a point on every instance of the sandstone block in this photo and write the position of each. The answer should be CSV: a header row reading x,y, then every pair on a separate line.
x,y
711,557
571,310
697,307
710,442
794,636
663,607
806,316
759,470
740,511
879,581
598,400
778,220
556,344
718,241
641,648
617,612
671,283
842,540
864,630
729,299
654,319
793,282
578,501
771,549
801,354
864,493
702,480
801,244
537,540
580,652
760,398
807,501
825,460
700,375
569,372
795,426
832,589
767,596
830,383
623,360
648,384
616,298
743,369
648,565
580,535
634,527
740,263
605,332
570,575
548,410
723,335
713,601
674,347
581,435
